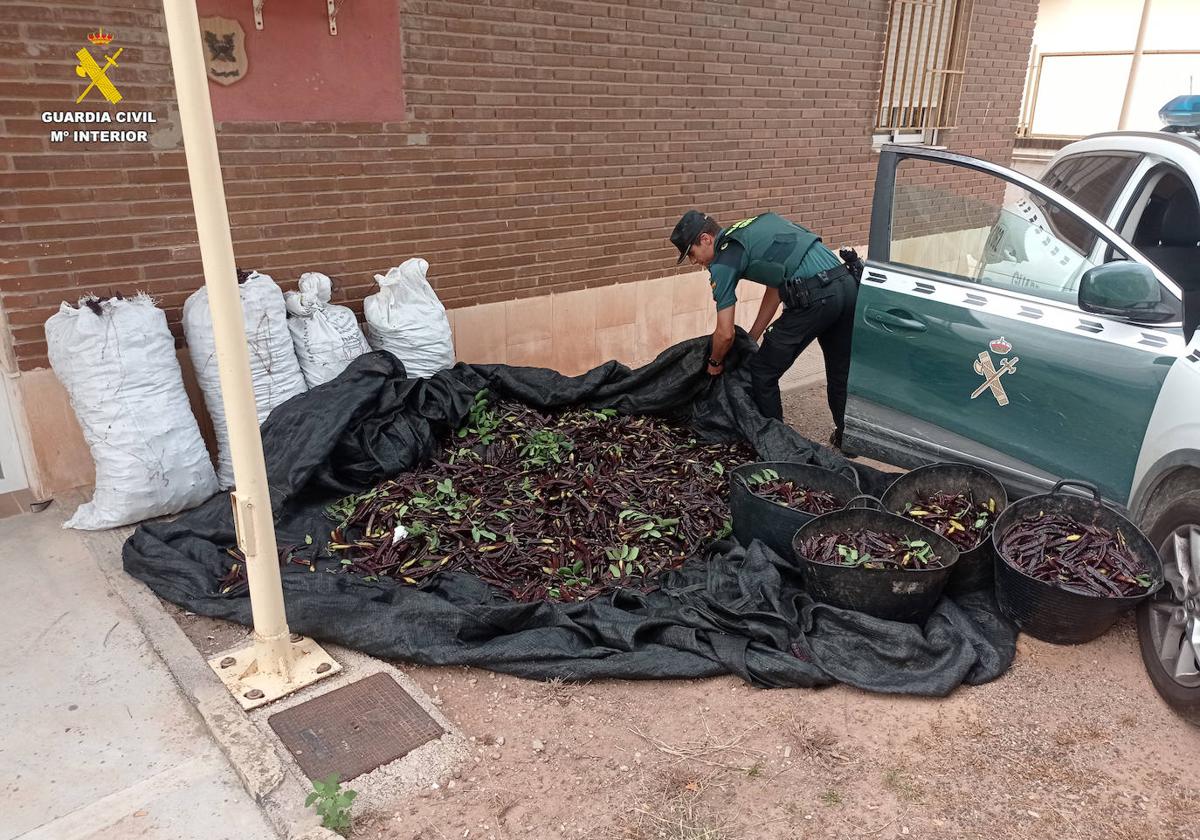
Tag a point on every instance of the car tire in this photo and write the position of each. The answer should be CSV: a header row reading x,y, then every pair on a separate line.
x,y
1166,621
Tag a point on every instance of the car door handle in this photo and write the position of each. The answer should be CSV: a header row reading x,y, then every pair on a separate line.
x,y
894,319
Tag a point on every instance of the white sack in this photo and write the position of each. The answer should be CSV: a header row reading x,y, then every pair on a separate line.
x,y
120,370
327,338
274,369
406,318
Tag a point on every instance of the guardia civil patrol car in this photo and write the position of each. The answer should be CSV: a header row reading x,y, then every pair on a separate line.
x,y
1047,330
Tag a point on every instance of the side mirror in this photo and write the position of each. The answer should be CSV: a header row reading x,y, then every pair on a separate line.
x,y
1124,289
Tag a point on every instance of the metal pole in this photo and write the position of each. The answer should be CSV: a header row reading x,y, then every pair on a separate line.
x,y
251,500
1134,65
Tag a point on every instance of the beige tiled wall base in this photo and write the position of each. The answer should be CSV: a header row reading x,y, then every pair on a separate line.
x,y
575,331
629,322
56,457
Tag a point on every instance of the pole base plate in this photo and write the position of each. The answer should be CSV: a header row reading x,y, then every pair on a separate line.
x,y
253,687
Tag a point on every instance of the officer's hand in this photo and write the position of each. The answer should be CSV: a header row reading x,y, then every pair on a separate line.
x,y
715,370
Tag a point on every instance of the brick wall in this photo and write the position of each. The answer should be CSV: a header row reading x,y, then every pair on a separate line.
x,y
545,149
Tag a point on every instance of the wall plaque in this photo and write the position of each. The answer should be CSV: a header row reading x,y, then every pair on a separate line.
x,y
224,49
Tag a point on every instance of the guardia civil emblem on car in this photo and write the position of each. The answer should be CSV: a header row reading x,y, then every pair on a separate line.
x,y
990,373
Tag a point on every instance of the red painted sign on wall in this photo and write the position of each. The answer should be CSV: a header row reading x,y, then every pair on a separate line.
x,y
297,72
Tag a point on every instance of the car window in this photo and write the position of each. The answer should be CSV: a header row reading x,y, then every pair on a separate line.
x,y
954,222
1093,181
1164,224
1163,187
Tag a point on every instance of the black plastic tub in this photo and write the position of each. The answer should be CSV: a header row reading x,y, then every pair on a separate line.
x,y
895,594
757,518
975,567
1053,614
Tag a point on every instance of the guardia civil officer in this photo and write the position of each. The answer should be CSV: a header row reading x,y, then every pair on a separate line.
x,y
817,291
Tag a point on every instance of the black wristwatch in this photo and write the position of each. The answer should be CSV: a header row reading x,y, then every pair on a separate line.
x,y
714,363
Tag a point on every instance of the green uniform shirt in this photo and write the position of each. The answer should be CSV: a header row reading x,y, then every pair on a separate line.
x,y
727,269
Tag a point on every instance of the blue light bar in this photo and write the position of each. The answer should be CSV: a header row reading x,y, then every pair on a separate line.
x,y
1181,112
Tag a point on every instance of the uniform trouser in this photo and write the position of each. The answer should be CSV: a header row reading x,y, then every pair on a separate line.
x,y
829,320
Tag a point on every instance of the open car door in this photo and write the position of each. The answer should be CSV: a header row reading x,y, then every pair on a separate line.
x,y
971,342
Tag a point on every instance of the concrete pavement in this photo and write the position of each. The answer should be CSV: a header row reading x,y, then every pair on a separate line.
x,y
96,739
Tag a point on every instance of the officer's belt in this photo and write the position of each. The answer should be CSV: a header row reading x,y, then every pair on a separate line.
x,y
800,292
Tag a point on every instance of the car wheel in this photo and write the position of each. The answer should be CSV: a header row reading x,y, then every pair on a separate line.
x,y
1169,623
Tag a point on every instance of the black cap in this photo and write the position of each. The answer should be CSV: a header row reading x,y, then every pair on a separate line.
x,y
687,231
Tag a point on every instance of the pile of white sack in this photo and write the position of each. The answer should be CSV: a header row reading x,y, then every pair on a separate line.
x,y
406,318
116,359
327,338
274,368
118,363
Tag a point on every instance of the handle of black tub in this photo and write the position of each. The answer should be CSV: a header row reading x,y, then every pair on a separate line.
x,y
850,473
1086,485
865,498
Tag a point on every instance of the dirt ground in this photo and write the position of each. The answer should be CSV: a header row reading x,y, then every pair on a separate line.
x,y
1072,742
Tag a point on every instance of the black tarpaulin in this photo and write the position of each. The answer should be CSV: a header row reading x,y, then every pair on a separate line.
x,y
732,611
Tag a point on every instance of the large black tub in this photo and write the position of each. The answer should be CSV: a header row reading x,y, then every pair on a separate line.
x,y
1047,611
975,567
757,518
895,594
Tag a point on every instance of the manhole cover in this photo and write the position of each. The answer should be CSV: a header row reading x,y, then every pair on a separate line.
x,y
354,729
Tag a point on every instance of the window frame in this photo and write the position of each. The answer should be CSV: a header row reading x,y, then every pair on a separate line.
x,y
880,239
946,80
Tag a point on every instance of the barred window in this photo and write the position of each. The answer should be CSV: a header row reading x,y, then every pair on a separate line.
x,y
923,59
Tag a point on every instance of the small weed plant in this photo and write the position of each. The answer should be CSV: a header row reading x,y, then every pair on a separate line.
x,y
831,798
332,803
